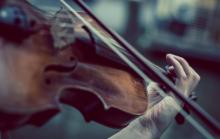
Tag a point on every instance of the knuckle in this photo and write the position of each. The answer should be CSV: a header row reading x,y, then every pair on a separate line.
x,y
182,59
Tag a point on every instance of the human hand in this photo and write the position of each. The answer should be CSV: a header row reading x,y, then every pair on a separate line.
x,y
161,111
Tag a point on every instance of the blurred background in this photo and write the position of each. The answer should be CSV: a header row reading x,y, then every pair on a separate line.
x,y
189,28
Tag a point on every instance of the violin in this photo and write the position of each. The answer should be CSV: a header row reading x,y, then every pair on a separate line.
x,y
41,70
58,60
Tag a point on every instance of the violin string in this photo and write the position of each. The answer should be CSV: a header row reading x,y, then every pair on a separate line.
x,y
141,74
69,35
70,25
189,118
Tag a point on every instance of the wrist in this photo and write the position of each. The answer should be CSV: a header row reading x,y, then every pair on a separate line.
x,y
158,118
145,128
136,130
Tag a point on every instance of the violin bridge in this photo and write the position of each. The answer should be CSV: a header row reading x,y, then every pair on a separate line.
x,y
62,29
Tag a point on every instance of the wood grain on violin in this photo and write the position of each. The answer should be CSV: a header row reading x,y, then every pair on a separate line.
x,y
36,78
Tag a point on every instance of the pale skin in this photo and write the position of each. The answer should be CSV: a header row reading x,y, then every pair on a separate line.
x,y
161,111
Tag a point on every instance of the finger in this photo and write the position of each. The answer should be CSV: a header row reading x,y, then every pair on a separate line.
x,y
180,73
170,70
187,68
152,88
195,76
153,96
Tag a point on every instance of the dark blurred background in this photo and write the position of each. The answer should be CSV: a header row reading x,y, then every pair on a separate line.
x,y
189,28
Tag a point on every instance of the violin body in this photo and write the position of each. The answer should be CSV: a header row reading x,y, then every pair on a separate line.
x,y
41,70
